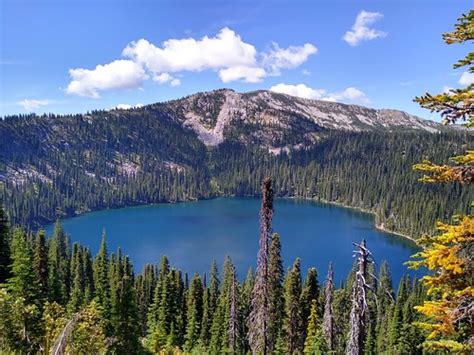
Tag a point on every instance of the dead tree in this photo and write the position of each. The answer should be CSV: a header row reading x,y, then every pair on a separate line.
x,y
355,343
328,329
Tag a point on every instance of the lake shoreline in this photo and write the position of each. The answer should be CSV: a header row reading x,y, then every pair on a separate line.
x,y
334,203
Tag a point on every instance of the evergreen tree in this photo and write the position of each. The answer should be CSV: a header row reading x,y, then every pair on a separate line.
x,y
385,299
315,342
41,263
194,313
246,296
4,247
76,299
449,254
125,312
309,292
58,266
258,319
101,280
293,323
275,292
23,286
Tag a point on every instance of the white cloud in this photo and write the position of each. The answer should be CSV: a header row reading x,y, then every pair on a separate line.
x,y
361,31
466,78
306,72
225,53
175,82
126,106
225,50
33,105
350,94
120,74
162,78
287,58
241,72
299,90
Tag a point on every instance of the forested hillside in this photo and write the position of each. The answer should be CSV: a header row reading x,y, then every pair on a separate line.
x,y
60,166
58,298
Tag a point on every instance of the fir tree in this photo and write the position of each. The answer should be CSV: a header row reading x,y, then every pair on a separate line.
x,y
275,292
77,274
194,313
58,266
309,292
23,286
101,280
315,342
293,323
4,247
41,263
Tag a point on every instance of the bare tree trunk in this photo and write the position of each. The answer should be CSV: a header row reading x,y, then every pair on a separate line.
x,y
59,347
259,317
328,330
233,314
355,343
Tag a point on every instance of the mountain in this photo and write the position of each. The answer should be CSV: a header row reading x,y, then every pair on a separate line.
x,y
277,121
224,143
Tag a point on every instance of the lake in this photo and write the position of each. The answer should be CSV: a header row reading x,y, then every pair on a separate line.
x,y
193,234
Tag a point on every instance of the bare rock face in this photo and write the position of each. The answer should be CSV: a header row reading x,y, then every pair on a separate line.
x,y
280,122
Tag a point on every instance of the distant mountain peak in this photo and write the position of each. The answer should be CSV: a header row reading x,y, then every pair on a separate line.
x,y
280,121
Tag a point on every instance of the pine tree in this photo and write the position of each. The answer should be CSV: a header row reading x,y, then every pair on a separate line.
x,y
246,296
194,313
101,280
23,286
220,323
88,276
449,255
315,342
385,299
293,323
41,263
258,319
275,292
76,299
145,285
328,327
58,266
309,292
4,247
125,312
233,312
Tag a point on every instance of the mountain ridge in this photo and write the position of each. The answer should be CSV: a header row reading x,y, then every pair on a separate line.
x,y
265,115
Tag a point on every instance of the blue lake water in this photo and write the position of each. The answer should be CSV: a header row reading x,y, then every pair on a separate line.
x,y
194,234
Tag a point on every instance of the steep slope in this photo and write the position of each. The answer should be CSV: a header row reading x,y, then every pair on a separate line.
x,y
277,121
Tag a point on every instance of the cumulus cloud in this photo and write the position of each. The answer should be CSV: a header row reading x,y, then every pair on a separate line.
x,y
225,53
225,50
126,106
241,72
286,58
350,94
120,74
33,105
361,31
299,90
466,78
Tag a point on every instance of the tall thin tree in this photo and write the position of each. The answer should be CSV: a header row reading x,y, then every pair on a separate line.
x,y
328,330
259,316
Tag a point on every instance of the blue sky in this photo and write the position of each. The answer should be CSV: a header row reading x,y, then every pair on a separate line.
x,y
75,56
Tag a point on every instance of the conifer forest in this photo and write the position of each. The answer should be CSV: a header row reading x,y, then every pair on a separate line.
x,y
414,176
